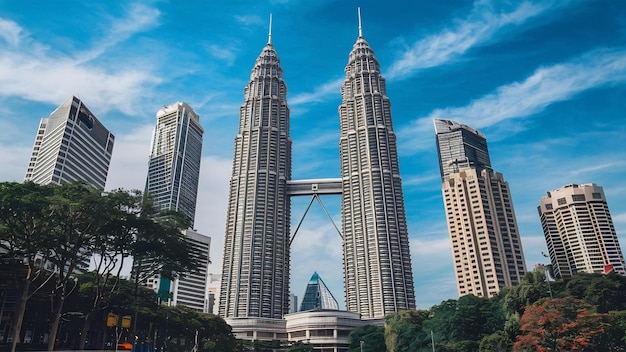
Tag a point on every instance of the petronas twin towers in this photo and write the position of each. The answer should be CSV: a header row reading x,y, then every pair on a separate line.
x,y
377,262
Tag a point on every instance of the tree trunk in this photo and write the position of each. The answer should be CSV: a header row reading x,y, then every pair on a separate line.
x,y
86,327
20,308
56,318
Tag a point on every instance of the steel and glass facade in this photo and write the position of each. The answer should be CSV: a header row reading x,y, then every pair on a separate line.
x,y
172,182
579,231
486,246
175,155
255,270
71,145
377,261
460,146
318,296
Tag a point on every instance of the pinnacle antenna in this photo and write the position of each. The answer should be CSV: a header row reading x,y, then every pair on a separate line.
x,y
269,36
360,28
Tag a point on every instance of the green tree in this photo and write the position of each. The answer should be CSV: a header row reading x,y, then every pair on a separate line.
x,y
606,292
160,246
532,288
25,221
496,342
112,247
440,321
404,330
371,337
75,209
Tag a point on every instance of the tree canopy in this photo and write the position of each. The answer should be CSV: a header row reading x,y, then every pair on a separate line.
x,y
56,231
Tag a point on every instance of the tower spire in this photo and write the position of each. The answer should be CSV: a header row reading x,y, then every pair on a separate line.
x,y
269,35
360,28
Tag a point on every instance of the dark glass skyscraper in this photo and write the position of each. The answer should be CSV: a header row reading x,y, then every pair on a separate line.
x,y
255,270
377,260
486,246
460,146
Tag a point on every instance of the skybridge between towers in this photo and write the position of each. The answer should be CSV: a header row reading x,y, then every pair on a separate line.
x,y
314,188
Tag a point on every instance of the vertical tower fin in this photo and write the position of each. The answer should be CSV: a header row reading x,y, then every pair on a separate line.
x,y
269,35
360,27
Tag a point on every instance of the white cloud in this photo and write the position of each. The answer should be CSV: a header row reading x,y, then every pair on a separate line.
x,y
225,54
36,72
250,20
319,93
129,162
138,18
547,85
413,180
482,24
212,203
10,31
619,218
14,160
597,167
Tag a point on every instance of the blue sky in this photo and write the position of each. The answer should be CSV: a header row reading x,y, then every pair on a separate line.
x,y
544,80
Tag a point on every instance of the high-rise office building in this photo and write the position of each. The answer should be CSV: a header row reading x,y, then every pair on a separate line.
x,y
71,145
486,246
172,182
579,231
175,154
255,270
192,289
215,282
377,261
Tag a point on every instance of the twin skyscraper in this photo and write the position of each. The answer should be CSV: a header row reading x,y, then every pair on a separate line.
x,y
376,259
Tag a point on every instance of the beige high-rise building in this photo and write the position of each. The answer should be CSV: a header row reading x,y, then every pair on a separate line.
x,y
579,231
484,236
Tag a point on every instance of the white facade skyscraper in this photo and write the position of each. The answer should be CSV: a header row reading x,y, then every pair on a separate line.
x,y
175,154
255,270
71,145
377,260
192,289
172,182
579,231
486,246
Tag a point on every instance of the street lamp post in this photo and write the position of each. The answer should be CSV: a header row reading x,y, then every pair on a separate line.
x,y
361,345
546,271
432,339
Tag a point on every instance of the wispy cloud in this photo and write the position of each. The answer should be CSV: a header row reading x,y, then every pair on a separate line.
x,y
10,31
36,72
547,85
138,18
483,23
223,53
595,168
619,218
250,20
419,179
318,94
